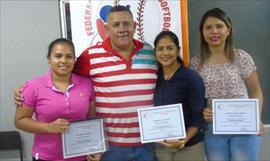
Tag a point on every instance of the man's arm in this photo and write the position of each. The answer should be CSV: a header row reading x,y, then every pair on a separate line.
x,y
18,97
82,64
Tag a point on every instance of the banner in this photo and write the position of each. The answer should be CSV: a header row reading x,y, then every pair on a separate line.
x,y
83,20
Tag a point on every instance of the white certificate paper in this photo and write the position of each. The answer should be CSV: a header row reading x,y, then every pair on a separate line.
x,y
83,138
235,116
161,122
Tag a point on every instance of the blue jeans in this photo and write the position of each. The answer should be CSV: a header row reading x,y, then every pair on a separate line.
x,y
146,152
231,147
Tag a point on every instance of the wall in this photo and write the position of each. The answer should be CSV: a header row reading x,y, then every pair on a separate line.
x,y
28,26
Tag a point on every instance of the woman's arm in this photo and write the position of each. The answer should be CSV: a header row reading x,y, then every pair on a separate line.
x,y
255,91
254,88
92,110
23,120
92,113
94,157
208,114
191,131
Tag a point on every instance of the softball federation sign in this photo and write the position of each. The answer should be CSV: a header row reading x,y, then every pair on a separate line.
x,y
83,21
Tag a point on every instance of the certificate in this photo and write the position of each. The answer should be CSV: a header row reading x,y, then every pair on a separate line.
x,y
161,122
83,138
235,116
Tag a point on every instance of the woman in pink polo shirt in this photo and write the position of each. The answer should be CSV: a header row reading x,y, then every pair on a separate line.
x,y
56,99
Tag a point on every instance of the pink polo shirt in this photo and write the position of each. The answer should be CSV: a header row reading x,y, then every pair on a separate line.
x,y
48,104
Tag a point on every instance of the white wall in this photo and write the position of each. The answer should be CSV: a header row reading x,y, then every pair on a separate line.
x,y
27,27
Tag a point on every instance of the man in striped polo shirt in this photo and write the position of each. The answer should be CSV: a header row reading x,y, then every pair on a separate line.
x,y
123,71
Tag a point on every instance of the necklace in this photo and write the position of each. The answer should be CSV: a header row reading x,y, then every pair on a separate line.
x,y
169,76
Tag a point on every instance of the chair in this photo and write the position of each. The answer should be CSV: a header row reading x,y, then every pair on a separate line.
x,y
11,140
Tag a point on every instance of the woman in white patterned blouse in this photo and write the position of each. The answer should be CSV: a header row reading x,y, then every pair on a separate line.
x,y
228,73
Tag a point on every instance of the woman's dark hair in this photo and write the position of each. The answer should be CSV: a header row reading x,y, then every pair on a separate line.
x,y
229,45
60,41
173,37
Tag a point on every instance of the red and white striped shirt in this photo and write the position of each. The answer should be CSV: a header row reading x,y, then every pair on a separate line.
x,y
122,86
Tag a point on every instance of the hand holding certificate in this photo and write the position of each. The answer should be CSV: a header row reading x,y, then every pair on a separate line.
x,y
161,122
83,138
235,116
